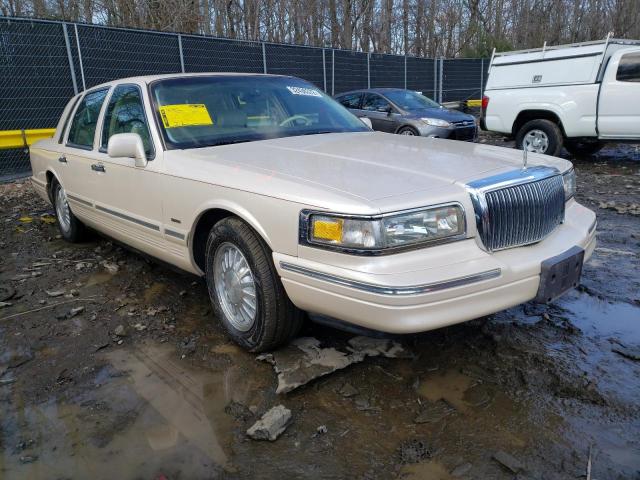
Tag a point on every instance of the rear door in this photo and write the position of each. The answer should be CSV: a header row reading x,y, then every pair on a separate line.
x,y
352,102
619,102
380,112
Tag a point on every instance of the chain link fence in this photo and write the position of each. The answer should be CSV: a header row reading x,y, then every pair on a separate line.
x,y
44,63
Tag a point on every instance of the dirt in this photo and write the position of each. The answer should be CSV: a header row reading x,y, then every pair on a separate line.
x,y
141,382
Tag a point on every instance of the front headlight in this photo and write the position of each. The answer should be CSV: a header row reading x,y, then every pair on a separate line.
x,y
569,180
383,232
435,122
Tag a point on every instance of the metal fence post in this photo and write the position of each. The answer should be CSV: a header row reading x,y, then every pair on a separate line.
x,y
70,57
441,78
405,72
435,78
84,84
368,70
333,72
181,54
324,70
264,57
481,77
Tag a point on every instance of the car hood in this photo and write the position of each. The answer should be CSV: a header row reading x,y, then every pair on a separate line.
x,y
442,114
367,166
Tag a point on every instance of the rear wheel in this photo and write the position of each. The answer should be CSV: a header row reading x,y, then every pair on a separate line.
x,y
583,148
540,136
408,131
72,229
245,290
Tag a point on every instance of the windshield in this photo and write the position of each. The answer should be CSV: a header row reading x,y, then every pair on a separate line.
x,y
203,111
408,100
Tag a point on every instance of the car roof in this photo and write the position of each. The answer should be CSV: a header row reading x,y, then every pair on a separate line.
x,y
152,78
381,90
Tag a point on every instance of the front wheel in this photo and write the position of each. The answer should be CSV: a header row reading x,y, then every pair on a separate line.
x,y
408,131
584,148
245,290
540,136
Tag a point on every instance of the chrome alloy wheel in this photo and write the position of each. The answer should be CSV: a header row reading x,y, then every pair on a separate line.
x,y
535,141
408,132
235,286
63,212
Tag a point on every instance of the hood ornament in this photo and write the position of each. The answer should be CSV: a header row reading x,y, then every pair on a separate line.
x,y
524,158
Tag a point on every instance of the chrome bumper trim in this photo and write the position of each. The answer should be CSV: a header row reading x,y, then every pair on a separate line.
x,y
389,290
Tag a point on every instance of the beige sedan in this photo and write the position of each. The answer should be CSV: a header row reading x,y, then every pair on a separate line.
x,y
285,202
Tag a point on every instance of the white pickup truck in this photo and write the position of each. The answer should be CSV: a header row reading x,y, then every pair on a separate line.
x,y
579,96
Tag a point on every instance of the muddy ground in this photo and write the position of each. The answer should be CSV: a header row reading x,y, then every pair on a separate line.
x,y
113,367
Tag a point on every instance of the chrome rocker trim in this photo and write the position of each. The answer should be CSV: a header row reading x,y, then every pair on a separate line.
x,y
388,290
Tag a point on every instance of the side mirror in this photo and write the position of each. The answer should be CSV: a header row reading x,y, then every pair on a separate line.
x,y
127,145
367,122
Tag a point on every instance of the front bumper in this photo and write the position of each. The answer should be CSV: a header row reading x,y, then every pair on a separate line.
x,y
453,133
436,286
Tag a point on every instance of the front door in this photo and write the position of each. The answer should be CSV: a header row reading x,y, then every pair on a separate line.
x,y
619,104
129,198
380,112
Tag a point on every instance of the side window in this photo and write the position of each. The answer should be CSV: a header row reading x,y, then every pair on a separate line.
x,y
68,113
375,103
125,114
83,126
350,100
629,68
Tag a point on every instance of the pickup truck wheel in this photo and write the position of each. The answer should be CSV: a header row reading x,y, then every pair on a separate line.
x,y
72,229
540,136
583,148
245,289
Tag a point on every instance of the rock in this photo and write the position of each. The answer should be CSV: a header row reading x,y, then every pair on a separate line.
x,y
140,327
461,470
322,429
111,268
75,311
5,304
632,353
271,425
28,458
304,359
414,451
120,331
55,293
509,462
347,390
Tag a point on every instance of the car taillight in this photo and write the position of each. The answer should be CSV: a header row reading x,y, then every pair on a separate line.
x,y
485,102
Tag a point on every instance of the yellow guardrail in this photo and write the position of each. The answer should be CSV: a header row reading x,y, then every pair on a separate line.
x,y
474,103
23,138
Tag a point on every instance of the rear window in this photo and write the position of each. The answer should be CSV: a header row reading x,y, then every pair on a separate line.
x,y
629,68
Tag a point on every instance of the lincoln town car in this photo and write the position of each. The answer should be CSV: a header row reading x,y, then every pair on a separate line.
x,y
286,203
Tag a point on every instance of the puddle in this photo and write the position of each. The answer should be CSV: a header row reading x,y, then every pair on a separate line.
x,y
449,386
98,278
149,414
596,317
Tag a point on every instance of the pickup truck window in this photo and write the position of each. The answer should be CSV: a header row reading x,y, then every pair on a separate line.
x,y
629,68
83,126
125,114
204,111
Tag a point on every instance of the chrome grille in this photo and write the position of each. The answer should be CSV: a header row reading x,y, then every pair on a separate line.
x,y
518,208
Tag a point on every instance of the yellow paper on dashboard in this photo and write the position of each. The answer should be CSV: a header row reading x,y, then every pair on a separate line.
x,y
185,115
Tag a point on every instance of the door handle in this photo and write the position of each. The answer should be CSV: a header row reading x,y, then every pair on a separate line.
x,y
62,159
97,167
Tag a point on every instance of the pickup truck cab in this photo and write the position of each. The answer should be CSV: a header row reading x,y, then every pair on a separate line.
x,y
579,96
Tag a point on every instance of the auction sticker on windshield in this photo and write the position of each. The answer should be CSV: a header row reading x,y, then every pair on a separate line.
x,y
185,115
309,92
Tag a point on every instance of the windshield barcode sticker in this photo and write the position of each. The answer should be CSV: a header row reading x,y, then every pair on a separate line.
x,y
309,92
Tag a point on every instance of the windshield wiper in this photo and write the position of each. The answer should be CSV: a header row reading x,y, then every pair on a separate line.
x,y
227,142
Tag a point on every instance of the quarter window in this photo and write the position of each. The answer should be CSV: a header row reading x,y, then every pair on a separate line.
x,y
125,114
350,100
629,68
375,103
83,127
